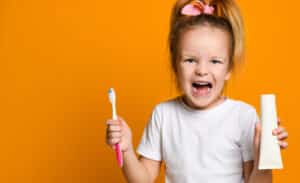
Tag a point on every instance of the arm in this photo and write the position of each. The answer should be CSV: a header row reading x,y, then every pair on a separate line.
x,y
253,175
135,170
140,170
250,168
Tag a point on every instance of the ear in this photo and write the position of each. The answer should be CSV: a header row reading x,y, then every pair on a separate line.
x,y
227,77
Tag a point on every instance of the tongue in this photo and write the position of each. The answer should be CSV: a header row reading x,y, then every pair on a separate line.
x,y
200,91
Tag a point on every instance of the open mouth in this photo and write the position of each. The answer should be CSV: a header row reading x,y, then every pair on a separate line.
x,y
201,88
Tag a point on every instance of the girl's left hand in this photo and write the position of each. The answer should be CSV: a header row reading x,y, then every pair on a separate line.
x,y
280,132
282,135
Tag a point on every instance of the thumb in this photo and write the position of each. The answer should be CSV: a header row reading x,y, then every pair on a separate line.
x,y
256,143
122,122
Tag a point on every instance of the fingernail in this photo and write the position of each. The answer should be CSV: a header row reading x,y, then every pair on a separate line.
x,y
281,144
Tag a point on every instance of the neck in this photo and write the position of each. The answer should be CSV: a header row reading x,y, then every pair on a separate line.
x,y
215,102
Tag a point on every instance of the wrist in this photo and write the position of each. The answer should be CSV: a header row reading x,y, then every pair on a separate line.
x,y
129,150
260,176
256,171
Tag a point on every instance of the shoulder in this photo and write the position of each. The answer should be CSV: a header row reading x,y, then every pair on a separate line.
x,y
165,110
167,105
247,115
245,111
243,107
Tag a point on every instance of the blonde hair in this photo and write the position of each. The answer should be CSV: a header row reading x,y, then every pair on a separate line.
x,y
226,16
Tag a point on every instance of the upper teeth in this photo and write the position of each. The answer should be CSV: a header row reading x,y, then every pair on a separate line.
x,y
203,83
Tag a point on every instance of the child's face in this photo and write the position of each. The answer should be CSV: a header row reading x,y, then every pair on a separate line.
x,y
203,65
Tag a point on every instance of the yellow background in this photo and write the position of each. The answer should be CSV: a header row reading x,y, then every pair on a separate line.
x,y
58,59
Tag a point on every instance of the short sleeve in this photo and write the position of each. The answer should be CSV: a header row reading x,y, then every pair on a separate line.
x,y
248,121
150,144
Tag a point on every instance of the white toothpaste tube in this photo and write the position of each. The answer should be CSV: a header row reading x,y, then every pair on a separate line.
x,y
270,157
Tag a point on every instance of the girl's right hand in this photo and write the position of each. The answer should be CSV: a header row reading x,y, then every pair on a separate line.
x,y
117,131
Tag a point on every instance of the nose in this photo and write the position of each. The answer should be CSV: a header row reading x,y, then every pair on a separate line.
x,y
201,68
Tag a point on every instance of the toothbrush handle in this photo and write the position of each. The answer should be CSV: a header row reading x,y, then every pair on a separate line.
x,y
118,151
119,155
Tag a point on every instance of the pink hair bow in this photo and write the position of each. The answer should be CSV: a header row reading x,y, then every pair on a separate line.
x,y
197,7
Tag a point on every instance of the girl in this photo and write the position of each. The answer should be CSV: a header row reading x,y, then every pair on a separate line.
x,y
201,135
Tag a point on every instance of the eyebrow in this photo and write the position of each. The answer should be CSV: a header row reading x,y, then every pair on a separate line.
x,y
219,58
195,57
188,56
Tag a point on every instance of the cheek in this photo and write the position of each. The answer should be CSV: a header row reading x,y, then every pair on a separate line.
x,y
182,79
181,73
185,77
222,76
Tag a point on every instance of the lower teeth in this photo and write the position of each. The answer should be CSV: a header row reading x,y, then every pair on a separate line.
x,y
201,88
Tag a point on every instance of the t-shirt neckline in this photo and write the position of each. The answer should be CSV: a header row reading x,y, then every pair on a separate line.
x,y
203,111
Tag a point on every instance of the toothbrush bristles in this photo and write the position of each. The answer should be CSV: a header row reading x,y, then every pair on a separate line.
x,y
112,95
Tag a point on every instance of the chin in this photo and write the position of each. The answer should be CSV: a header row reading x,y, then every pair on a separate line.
x,y
202,104
198,102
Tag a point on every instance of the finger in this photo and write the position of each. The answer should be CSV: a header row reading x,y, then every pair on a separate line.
x,y
113,141
122,121
114,128
112,122
278,130
113,146
282,136
283,144
114,135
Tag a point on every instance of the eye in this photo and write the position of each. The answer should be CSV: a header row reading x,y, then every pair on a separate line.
x,y
189,60
214,61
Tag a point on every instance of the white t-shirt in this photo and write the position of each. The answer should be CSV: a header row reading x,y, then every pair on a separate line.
x,y
200,146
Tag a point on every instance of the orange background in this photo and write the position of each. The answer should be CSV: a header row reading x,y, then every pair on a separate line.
x,y
58,59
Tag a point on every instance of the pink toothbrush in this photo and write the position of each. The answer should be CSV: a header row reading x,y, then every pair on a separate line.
x,y
112,99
